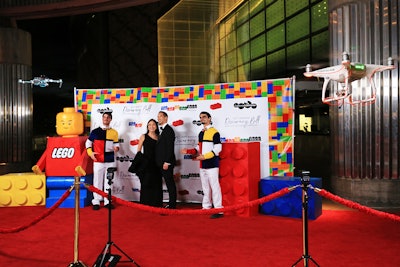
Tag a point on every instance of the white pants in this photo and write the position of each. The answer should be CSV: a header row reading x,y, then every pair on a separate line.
x,y
100,180
211,188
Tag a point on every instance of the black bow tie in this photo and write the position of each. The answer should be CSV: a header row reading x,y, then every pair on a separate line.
x,y
161,128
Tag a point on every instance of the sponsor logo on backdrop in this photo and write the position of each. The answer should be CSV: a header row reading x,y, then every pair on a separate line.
x,y
179,107
137,110
198,123
124,158
186,140
135,124
247,104
190,175
244,122
104,110
118,189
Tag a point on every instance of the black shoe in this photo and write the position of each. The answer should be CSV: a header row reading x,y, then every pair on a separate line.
x,y
216,216
109,206
96,207
169,207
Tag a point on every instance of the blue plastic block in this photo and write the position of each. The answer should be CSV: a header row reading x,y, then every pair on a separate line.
x,y
64,182
57,186
290,205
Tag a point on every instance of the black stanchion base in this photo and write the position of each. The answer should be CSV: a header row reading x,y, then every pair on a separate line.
x,y
77,264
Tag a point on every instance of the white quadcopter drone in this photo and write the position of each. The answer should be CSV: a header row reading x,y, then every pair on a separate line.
x,y
345,73
41,81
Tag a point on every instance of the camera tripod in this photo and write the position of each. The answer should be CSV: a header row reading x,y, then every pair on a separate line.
x,y
305,181
106,258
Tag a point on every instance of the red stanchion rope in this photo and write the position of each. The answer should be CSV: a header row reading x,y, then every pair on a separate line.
x,y
259,201
357,206
39,218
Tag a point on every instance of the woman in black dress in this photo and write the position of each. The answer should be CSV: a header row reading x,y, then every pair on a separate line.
x,y
151,180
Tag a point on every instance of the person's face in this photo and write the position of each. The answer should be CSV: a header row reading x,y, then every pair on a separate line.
x,y
152,126
161,118
106,119
204,119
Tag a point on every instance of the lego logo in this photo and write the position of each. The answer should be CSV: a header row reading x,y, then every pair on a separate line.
x,y
62,153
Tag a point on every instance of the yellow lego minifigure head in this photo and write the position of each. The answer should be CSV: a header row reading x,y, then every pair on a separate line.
x,y
69,123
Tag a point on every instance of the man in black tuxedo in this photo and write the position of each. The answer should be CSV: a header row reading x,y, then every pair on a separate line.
x,y
165,156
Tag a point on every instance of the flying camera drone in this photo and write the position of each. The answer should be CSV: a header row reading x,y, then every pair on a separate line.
x,y
346,73
41,81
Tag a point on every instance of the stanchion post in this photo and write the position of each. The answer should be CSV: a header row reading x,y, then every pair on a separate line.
x,y
305,184
76,263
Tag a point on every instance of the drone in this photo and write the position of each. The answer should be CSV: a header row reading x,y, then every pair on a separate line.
x,y
41,81
346,73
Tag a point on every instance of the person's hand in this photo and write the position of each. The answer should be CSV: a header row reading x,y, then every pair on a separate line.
x,y
165,166
36,169
80,170
200,157
93,156
184,151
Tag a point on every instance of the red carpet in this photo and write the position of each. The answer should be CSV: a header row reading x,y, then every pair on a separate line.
x,y
336,238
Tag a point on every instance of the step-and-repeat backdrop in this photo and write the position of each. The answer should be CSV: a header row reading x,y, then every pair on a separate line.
x,y
254,111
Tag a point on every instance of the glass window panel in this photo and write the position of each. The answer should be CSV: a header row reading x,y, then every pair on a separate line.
x,y
298,27
165,34
244,73
319,16
231,60
243,33
244,53
223,64
181,26
202,60
257,47
243,14
222,48
276,38
256,6
293,6
231,41
221,30
276,62
320,47
197,26
181,60
257,25
275,13
231,76
230,25
298,54
258,69
182,35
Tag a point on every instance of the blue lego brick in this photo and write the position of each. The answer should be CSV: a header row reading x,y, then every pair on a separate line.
x,y
69,202
57,193
290,205
64,182
57,186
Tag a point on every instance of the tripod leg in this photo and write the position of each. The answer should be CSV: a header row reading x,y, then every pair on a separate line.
x,y
103,258
314,262
294,264
126,255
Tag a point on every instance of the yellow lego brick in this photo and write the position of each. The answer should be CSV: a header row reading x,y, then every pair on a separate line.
x,y
22,189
